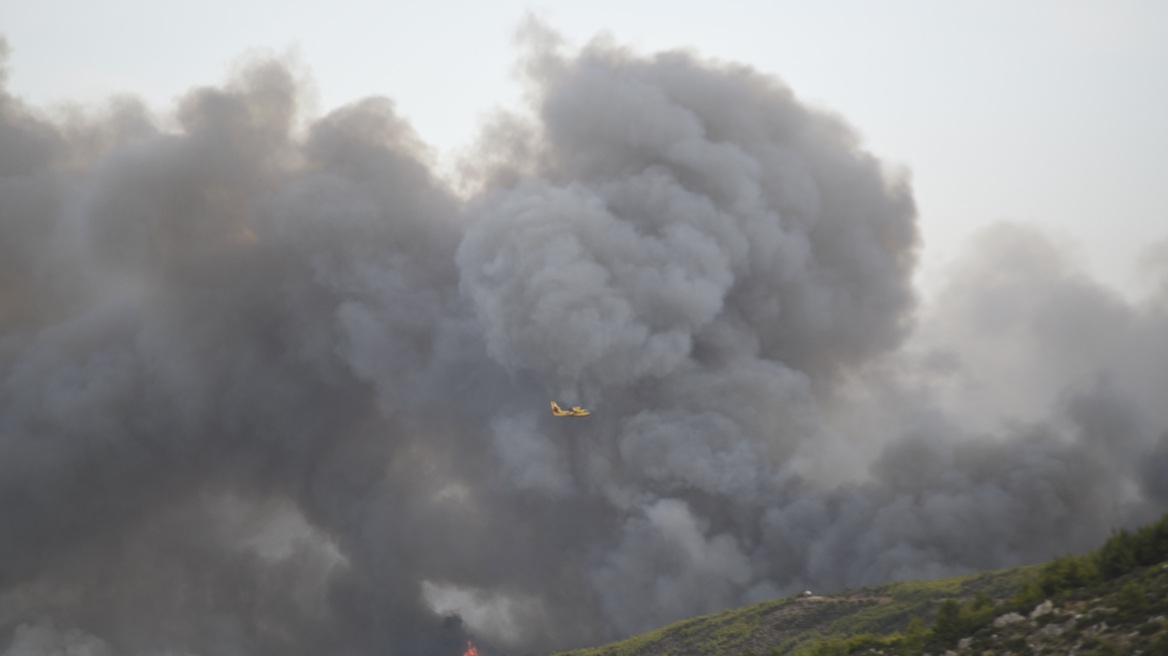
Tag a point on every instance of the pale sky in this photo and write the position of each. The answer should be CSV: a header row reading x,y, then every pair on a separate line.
x,y
1040,111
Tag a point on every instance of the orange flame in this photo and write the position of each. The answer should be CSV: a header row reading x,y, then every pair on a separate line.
x,y
470,650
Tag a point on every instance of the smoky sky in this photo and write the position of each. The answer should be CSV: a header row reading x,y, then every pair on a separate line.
x,y
270,384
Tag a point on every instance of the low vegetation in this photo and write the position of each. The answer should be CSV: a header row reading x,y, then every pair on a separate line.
x,y
1113,600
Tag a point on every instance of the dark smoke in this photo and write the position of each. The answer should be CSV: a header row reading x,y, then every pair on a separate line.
x,y
270,385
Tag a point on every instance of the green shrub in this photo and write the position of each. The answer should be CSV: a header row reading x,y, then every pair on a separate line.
x,y
1117,556
977,613
1067,573
1148,628
828,647
981,602
1018,646
1107,649
1125,551
1049,618
1132,603
948,626
1150,543
913,640
1159,647
1028,595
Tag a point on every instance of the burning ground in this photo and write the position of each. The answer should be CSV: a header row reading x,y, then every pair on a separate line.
x,y
270,384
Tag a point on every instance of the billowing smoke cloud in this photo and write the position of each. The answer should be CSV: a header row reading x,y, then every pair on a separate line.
x,y
268,384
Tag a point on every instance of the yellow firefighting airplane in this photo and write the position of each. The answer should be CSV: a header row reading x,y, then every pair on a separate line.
x,y
576,411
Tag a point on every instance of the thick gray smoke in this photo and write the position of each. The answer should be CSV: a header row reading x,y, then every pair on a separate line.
x,y
269,385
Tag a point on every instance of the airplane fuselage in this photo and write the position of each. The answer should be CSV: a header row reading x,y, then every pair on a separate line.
x,y
575,411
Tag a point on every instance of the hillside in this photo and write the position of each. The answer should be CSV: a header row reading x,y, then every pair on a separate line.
x,y
1113,600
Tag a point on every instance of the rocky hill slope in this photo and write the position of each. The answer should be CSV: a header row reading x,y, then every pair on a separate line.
x,y
1113,600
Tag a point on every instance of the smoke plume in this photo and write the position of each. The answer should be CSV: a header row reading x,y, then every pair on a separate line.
x,y
269,384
